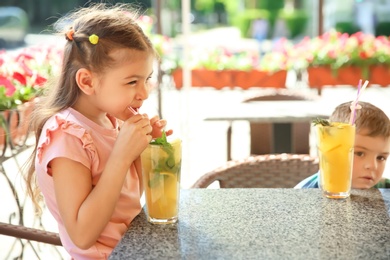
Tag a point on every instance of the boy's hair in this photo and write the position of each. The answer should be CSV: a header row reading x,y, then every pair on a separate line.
x,y
116,28
369,118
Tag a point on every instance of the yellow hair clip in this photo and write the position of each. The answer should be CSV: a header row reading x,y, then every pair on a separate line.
x,y
94,39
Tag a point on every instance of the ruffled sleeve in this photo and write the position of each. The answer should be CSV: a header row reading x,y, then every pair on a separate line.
x,y
63,138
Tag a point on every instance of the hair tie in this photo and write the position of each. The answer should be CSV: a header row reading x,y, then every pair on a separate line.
x,y
69,34
94,39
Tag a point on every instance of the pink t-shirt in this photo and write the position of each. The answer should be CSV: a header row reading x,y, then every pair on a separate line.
x,y
70,134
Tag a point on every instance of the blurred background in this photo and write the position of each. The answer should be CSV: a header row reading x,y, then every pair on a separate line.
x,y
283,18
275,37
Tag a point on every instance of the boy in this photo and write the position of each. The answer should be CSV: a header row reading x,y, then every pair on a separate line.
x,y
371,150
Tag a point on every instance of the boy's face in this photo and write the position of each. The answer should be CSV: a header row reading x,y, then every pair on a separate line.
x,y
369,160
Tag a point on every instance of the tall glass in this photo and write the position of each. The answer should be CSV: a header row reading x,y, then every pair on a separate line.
x,y
161,166
335,147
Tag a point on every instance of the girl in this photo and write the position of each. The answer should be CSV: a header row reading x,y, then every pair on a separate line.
x,y
88,141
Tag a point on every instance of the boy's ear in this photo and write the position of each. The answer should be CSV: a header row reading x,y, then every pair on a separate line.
x,y
84,80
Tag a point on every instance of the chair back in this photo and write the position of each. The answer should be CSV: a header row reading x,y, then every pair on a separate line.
x,y
262,133
34,234
262,171
281,94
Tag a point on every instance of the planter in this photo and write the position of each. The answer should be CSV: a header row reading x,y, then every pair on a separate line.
x,y
380,75
204,78
257,78
232,78
14,127
20,126
324,76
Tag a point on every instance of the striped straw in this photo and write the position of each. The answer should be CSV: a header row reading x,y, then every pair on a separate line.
x,y
355,103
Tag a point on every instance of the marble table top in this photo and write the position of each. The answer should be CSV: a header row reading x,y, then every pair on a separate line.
x,y
270,111
265,224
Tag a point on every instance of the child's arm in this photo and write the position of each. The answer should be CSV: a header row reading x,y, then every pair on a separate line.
x,y
86,210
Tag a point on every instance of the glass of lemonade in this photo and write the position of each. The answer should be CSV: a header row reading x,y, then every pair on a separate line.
x,y
161,166
335,144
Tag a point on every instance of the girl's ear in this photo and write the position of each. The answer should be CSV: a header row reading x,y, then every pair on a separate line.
x,y
84,79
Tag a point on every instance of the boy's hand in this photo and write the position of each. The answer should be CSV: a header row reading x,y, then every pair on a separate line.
x,y
158,126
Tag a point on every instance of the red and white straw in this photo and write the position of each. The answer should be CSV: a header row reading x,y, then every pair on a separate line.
x,y
355,103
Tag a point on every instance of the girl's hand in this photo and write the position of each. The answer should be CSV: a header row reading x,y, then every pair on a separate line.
x,y
158,126
133,138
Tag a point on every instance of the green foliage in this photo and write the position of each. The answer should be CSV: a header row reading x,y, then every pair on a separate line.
x,y
206,6
165,164
273,7
244,19
295,21
346,27
6,102
231,6
271,4
382,28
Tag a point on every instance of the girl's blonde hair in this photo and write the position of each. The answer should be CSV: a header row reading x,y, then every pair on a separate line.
x,y
116,27
369,118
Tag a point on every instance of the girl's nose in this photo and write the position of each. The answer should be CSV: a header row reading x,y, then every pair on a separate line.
x,y
143,91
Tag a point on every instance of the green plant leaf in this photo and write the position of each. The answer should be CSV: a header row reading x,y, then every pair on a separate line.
x,y
320,121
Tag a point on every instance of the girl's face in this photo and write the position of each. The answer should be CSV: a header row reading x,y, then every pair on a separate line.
x,y
126,84
369,161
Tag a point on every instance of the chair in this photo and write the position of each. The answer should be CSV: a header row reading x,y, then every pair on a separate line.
x,y
262,171
267,138
28,233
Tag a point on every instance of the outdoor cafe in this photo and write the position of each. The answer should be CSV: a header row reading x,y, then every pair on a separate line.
x,y
246,208
255,212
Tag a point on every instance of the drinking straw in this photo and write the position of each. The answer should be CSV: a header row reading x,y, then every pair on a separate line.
x,y
355,103
132,110
358,91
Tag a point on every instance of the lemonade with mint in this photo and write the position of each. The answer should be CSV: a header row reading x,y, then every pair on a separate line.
x,y
161,165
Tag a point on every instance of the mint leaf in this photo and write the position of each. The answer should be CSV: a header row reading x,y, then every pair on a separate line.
x,y
320,121
164,165
160,140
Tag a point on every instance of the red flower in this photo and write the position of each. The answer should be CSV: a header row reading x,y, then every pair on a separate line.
x,y
363,55
10,88
23,56
40,81
19,77
26,69
359,36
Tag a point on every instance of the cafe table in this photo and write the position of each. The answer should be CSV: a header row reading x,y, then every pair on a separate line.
x,y
276,126
265,224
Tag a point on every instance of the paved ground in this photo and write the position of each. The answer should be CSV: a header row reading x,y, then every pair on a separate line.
x,y
204,143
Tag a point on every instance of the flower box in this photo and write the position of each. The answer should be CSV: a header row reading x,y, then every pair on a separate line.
x,y
257,78
323,76
14,126
204,78
232,78
380,75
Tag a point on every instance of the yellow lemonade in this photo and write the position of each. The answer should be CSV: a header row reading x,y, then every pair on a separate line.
x,y
161,165
335,148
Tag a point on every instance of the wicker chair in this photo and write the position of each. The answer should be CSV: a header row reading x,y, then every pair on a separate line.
x,y
28,233
262,171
